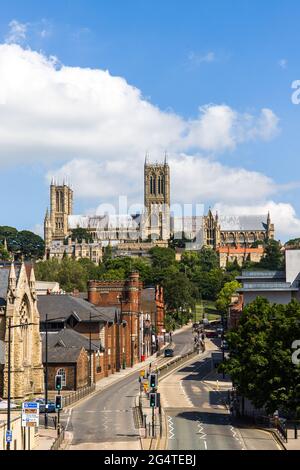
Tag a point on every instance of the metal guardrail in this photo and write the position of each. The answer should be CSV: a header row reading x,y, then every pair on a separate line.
x,y
78,395
166,368
58,442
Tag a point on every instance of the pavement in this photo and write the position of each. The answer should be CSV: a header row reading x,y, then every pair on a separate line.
x,y
106,420
197,418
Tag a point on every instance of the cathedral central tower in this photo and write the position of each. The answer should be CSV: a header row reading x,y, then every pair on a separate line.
x,y
157,200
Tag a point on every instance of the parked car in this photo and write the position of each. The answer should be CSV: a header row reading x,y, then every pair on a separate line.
x,y
169,352
42,407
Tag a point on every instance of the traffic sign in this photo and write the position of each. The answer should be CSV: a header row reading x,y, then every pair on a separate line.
x,y
30,414
8,436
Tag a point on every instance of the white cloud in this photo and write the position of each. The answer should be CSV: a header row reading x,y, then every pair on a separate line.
x,y
206,180
283,63
38,229
197,59
283,215
58,112
17,32
96,128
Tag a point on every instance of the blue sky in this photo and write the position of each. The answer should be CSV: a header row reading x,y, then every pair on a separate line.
x,y
181,55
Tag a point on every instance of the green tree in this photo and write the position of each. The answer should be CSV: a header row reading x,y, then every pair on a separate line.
x,y
225,295
179,292
260,362
209,259
208,283
274,258
4,254
81,234
23,243
162,257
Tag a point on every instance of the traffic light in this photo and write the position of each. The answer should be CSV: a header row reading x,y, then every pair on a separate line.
x,y
58,382
153,400
153,380
58,402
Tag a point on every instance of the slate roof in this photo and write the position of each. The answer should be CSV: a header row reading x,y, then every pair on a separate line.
x,y
64,306
65,346
243,222
4,276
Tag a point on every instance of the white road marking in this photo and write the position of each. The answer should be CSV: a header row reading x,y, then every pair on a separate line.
x,y
68,420
234,433
203,434
185,394
171,427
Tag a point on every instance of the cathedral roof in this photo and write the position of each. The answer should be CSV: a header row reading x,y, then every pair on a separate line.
x,y
101,222
243,222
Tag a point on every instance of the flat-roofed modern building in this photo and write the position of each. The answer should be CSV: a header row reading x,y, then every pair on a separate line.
x,y
277,286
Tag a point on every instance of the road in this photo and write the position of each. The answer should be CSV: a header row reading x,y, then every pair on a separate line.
x,y
106,420
197,418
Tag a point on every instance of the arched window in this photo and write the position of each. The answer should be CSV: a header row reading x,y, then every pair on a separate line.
x,y
151,185
24,330
62,373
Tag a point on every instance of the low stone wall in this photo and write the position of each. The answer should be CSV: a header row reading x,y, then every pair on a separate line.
x,y
23,438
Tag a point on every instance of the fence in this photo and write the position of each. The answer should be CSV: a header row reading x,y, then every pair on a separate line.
x,y
56,445
166,368
78,395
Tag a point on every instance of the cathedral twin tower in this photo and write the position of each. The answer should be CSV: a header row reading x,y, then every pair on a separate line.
x,y
155,223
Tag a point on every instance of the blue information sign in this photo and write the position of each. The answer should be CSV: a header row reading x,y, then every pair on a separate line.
x,y
8,436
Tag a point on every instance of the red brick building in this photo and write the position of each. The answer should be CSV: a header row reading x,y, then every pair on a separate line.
x,y
136,304
235,311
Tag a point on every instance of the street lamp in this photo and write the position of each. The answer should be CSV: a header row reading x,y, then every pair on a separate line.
x,y
90,346
46,365
10,327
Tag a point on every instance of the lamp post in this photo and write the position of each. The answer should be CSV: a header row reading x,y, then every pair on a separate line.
x,y
120,299
46,365
90,346
10,327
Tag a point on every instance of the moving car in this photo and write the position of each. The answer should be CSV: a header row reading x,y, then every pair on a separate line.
x,y
169,352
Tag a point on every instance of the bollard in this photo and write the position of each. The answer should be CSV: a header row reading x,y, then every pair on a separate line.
x,y
296,431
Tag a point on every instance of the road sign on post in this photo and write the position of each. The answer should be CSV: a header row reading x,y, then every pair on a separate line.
x,y
30,414
8,436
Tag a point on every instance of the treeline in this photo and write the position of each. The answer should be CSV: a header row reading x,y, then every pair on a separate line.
x,y
264,361
21,244
196,276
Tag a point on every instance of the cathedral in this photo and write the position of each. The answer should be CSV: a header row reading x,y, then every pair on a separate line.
x,y
155,226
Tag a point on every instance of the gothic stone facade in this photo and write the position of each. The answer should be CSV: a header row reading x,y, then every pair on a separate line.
x,y
18,302
154,225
